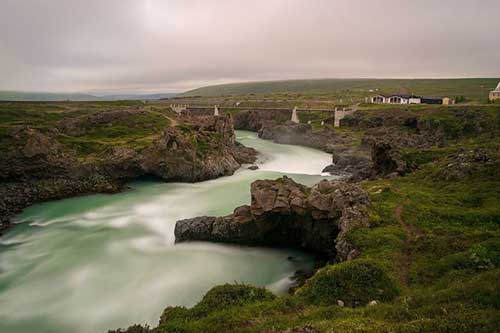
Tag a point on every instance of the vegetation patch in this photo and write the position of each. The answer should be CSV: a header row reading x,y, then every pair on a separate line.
x,y
218,299
354,283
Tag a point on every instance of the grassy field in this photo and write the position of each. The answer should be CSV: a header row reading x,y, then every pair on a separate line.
x,y
357,89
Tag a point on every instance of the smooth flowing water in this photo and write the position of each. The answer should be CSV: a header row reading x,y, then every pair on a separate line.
x,y
98,262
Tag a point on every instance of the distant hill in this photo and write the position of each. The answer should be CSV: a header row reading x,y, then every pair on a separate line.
x,y
42,96
137,97
470,88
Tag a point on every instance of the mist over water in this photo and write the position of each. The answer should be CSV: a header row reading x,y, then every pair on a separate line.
x,y
93,263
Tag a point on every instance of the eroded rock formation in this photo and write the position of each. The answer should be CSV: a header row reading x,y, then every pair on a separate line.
x,y
285,213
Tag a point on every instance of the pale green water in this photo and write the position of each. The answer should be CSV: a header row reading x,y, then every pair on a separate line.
x,y
97,262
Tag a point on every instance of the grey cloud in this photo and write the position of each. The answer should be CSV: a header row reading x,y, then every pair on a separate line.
x,y
167,45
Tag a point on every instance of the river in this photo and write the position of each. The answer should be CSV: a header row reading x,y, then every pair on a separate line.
x,y
99,262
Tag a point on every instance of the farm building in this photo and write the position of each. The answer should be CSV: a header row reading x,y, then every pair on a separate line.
x,y
495,94
410,99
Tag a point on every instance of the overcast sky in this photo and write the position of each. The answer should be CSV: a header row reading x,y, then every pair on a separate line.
x,y
174,45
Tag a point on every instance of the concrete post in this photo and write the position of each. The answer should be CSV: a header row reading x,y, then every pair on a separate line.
x,y
295,117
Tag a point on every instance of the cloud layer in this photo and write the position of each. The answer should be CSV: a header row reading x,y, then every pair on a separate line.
x,y
174,45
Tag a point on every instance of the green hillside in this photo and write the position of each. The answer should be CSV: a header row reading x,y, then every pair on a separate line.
x,y
470,88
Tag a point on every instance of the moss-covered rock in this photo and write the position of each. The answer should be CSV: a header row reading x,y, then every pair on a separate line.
x,y
354,282
227,295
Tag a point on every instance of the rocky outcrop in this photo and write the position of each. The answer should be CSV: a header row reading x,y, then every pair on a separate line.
x,y
303,135
285,213
39,168
255,120
402,138
386,158
354,163
477,162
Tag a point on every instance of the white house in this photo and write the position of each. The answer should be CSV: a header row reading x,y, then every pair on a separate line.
x,y
495,94
397,99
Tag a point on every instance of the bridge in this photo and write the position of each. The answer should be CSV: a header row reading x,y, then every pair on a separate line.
x,y
338,113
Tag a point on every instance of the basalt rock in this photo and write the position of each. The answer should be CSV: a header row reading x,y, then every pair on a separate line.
x,y
386,158
303,135
285,213
355,163
178,157
254,120
402,138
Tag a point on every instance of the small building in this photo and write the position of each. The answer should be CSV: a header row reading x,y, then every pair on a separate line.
x,y
432,100
495,94
397,99
448,101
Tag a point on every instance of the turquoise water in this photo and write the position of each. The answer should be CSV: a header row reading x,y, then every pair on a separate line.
x,y
97,262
